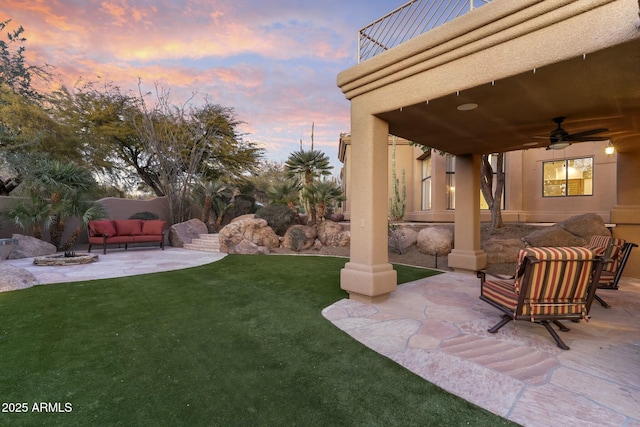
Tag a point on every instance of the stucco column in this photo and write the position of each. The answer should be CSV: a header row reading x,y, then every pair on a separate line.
x,y
626,214
368,276
467,254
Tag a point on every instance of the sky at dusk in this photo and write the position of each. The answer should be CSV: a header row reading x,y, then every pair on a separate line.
x,y
274,62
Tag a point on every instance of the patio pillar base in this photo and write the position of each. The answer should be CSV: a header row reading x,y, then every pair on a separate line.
x,y
368,283
472,260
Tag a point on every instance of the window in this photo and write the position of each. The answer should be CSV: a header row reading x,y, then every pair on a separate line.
x,y
451,181
570,177
426,184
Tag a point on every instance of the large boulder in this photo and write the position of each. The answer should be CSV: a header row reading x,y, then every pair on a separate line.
x,y
501,251
327,230
553,236
248,248
575,231
299,237
185,232
243,217
28,247
436,240
342,239
249,236
12,278
400,239
585,226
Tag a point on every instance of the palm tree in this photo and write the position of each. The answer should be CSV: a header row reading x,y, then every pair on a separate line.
x,y
63,183
308,165
24,214
86,211
285,192
322,193
56,189
215,198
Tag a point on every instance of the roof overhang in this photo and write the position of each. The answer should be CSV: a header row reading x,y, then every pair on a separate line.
x,y
523,63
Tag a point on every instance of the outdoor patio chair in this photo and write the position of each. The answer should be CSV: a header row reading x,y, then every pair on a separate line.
x,y
619,252
551,284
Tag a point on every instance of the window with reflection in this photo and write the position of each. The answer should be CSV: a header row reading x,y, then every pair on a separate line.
x,y
569,177
451,181
426,184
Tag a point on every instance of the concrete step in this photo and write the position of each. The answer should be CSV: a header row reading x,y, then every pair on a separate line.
x,y
193,247
205,243
213,236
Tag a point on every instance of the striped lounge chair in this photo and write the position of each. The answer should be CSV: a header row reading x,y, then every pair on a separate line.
x,y
619,252
551,284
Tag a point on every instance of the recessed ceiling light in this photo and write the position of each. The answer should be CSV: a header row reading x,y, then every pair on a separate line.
x,y
467,107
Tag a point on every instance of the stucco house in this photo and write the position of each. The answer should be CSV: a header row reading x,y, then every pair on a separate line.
x,y
540,185
492,80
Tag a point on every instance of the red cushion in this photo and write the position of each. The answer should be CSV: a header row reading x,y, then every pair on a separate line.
x,y
103,226
128,227
153,227
148,238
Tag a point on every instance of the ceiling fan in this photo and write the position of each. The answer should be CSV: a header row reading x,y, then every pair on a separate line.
x,y
560,138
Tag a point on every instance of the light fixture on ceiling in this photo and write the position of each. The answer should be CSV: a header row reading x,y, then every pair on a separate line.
x,y
559,145
609,149
467,107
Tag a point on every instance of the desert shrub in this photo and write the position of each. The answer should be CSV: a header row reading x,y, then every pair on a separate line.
x,y
146,215
279,217
395,238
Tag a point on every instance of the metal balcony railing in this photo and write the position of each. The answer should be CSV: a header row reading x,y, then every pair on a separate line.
x,y
410,20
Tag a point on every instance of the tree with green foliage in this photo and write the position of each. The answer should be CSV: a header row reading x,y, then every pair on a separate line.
x,y
323,193
57,191
215,199
286,192
168,147
308,165
27,128
15,73
268,174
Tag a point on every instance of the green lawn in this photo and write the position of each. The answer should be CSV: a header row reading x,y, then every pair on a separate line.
x,y
240,342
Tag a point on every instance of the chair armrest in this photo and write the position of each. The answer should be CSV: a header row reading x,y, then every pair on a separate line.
x,y
483,273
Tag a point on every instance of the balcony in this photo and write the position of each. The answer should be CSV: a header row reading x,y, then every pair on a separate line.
x,y
409,20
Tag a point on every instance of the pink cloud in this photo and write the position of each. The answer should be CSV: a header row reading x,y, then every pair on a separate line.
x,y
274,63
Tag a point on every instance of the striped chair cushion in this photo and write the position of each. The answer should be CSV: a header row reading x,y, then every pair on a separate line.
x,y
599,244
557,287
501,292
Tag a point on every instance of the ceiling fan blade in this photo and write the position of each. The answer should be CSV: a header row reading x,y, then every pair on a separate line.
x,y
586,132
588,138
